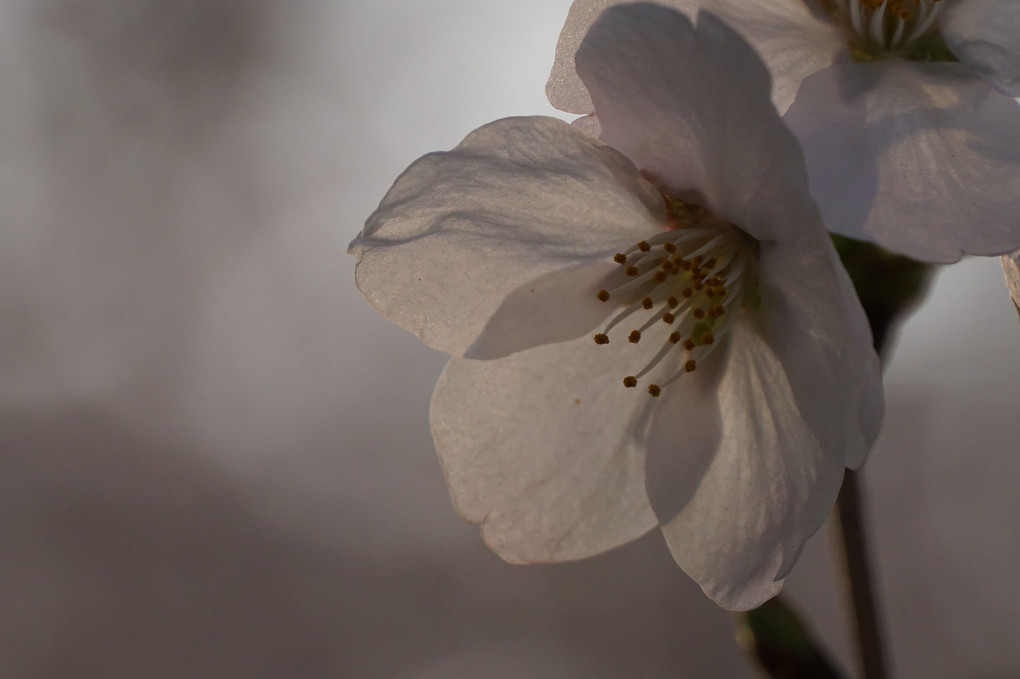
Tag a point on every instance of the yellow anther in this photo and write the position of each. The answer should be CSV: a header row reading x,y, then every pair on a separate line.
x,y
602,338
654,390
635,336
643,246
690,365
669,247
603,296
707,338
698,313
620,258
631,271
674,337
687,293
647,303
668,317
630,381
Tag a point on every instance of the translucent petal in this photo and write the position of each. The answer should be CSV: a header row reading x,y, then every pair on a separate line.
x,y
559,306
814,324
793,38
655,84
517,199
985,35
766,490
545,449
921,158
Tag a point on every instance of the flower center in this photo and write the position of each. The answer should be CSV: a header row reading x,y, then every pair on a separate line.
x,y
882,28
686,285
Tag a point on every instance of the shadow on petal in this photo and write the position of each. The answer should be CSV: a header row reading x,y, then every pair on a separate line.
x,y
683,439
555,307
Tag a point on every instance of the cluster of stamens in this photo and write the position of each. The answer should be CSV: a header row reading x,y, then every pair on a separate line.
x,y
688,280
891,25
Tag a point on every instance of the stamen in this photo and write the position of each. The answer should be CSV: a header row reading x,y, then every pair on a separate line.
x,y
876,25
924,24
686,277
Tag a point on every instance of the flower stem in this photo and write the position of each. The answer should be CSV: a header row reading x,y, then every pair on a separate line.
x,y
858,578
888,286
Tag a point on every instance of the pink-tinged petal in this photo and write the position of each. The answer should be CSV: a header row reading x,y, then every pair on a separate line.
x,y
815,326
766,490
793,37
655,82
519,198
985,35
1011,267
544,449
920,158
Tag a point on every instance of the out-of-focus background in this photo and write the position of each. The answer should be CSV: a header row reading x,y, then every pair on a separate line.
x,y
215,456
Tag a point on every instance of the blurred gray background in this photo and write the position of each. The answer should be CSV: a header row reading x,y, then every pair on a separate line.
x,y
216,457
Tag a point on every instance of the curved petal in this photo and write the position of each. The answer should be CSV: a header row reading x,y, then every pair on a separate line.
x,y
765,492
564,88
654,80
518,198
545,448
922,159
985,35
792,39
1011,267
814,324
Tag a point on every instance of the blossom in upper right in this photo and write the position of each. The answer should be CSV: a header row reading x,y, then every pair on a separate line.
x,y
904,110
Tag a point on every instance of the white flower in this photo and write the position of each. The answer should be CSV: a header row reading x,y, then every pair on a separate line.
x,y
725,303
905,145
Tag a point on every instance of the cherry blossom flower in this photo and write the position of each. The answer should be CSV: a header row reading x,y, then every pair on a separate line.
x,y
652,329
903,109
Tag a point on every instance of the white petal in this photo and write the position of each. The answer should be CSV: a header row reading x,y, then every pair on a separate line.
x,y
545,448
1011,267
815,325
564,88
517,199
923,159
985,35
767,489
655,83
794,39
556,307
